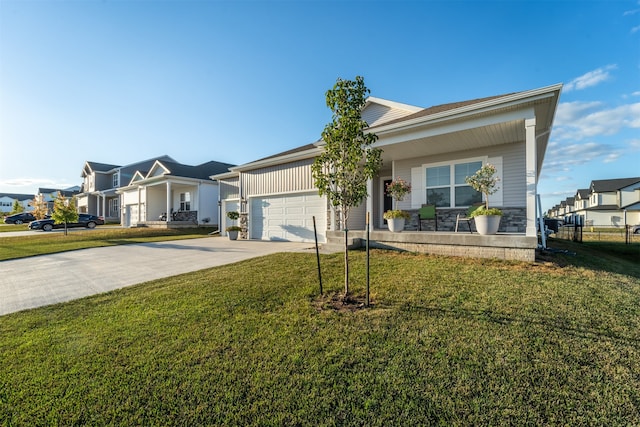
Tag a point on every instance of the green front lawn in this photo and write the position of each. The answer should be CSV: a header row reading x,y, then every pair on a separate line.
x,y
449,341
47,243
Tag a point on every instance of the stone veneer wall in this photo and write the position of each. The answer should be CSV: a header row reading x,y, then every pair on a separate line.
x,y
514,220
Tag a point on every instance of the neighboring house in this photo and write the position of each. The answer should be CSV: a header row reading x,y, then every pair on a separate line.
x,y
185,192
613,202
50,194
100,182
606,203
433,148
8,199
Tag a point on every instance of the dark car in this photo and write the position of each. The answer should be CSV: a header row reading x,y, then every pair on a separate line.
x,y
635,229
84,220
19,218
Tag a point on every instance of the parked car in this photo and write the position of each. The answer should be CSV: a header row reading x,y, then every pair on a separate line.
x,y
19,218
84,220
635,229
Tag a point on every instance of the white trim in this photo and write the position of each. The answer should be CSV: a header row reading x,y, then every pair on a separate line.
x,y
452,184
273,161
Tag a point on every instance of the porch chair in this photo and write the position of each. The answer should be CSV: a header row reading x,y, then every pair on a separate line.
x,y
467,218
427,212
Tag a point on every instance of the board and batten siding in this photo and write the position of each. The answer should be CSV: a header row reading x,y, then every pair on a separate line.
x,y
286,178
513,181
229,188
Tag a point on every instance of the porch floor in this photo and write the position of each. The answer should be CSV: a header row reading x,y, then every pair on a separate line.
x,y
510,246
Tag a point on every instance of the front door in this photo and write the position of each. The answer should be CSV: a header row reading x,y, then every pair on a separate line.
x,y
387,200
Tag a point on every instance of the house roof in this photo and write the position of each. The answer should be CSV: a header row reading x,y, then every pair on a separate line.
x,y
101,167
393,133
17,196
608,185
583,193
203,171
442,108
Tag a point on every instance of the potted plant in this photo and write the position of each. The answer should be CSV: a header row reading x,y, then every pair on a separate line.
x,y
484,181
232,231
396,218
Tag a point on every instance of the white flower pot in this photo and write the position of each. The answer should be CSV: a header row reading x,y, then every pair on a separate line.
x,y
396,225
487,224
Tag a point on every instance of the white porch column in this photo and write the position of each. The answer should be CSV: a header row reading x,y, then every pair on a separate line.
x,y
370,203
104,205
168,201
531,175
139,204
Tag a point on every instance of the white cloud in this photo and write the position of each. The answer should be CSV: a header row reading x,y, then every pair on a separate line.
x,y
579,120
591,78
563,158
31,185
635,29
637,93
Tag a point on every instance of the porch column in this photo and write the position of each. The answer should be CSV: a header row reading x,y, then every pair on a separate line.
x,y
370,202
139,204
168,201
104,205
531,175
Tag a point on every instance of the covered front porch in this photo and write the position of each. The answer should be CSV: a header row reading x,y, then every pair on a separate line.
x,y
507,246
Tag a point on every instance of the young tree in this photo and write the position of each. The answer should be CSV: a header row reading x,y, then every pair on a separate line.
x,y
348,161
64,211
16,208
39,205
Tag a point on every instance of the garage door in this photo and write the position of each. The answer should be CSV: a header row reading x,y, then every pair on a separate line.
x,y
288,218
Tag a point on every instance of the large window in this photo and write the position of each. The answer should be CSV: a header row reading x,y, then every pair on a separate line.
x,y
185,201
446,186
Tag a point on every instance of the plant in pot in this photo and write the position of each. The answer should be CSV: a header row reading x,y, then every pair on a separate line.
x,y
232,231
485,181
396,218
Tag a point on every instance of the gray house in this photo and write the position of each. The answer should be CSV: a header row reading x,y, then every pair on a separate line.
x,y
433,148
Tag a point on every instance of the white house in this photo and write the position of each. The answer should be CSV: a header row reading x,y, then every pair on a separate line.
x,y
172,192
433,148
8,199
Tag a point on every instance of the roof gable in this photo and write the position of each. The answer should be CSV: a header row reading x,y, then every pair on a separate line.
x,y
377,111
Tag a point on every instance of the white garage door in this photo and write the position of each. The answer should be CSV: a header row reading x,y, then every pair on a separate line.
x,y
288,218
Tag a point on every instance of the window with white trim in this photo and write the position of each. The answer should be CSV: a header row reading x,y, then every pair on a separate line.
x,y
185,201
116,180
446,186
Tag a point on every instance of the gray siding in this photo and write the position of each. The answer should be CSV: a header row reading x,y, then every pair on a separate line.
x,y
285,178
358,217
513,164
229,189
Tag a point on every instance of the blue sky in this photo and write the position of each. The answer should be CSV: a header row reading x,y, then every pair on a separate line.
x,y
123,81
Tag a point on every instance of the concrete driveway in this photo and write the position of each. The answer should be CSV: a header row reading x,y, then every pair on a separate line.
x,y
49,279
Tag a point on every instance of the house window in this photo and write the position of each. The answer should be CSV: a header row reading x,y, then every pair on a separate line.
x,y
446,186
185,201
114,207
116,180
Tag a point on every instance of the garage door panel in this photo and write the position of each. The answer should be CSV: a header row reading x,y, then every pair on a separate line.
x,y
288,217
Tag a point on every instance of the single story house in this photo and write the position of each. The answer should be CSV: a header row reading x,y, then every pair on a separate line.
x,y
171,194
434,149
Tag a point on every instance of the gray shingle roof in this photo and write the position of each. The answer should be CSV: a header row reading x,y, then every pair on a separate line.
x,y
203,171
608,185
